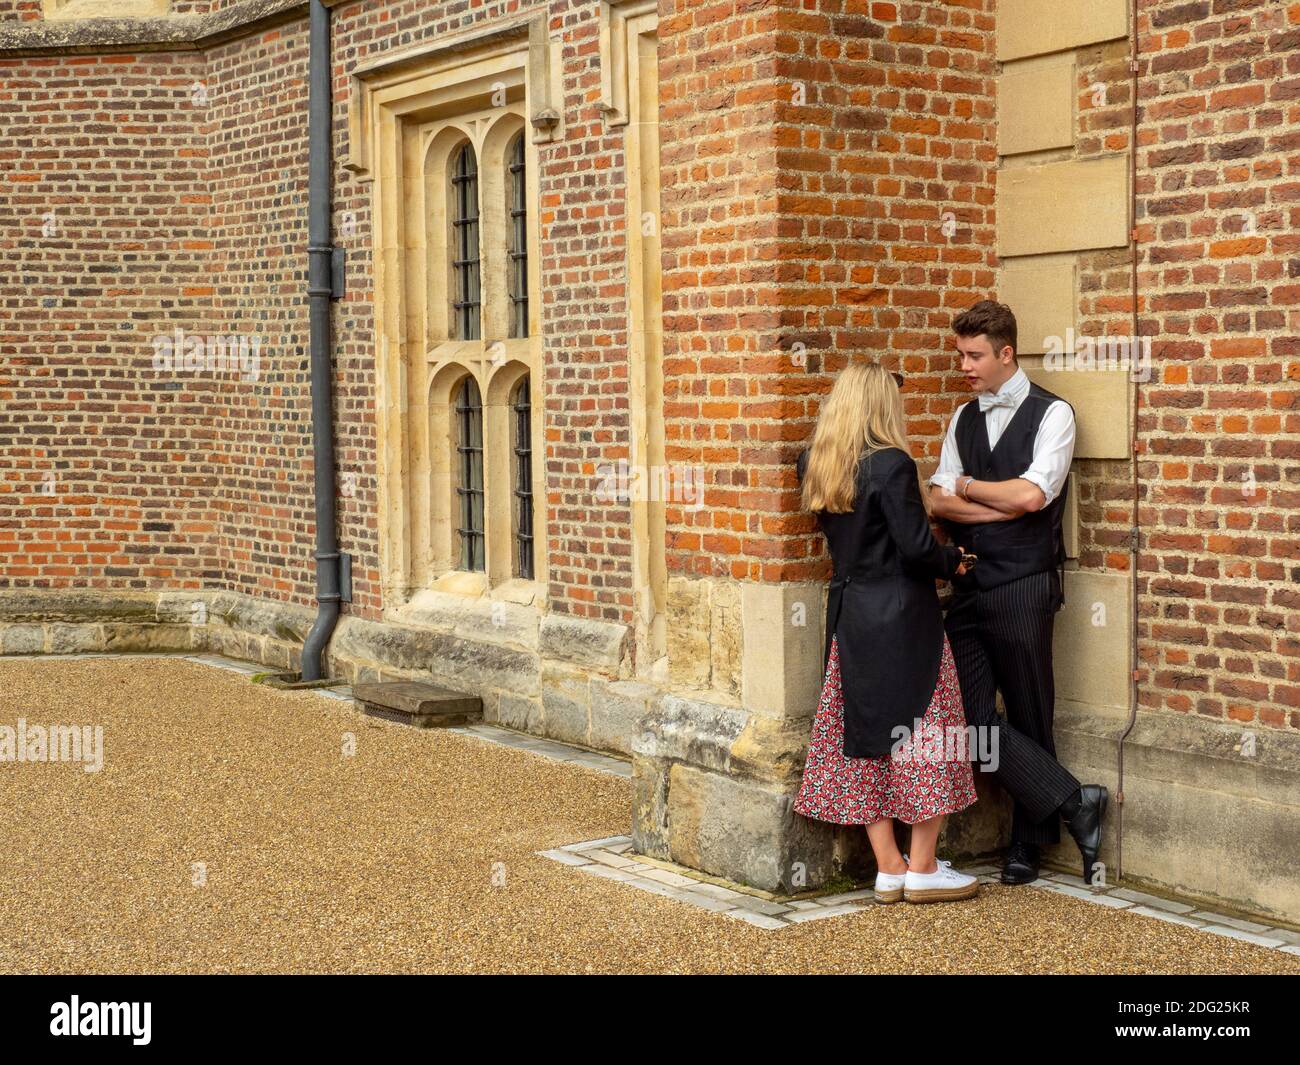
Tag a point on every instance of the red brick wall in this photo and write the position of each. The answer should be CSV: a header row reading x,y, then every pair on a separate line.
x,y
886,189
257,140
721,271
108,479
21,10
584,311
1220,277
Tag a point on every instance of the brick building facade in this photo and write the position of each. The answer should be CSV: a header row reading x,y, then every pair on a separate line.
x,y
834,181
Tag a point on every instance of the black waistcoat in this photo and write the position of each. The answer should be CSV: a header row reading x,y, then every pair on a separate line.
x,y
1029,544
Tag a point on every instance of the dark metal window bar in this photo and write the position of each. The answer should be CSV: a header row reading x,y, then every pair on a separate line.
x,y
469,445
518,240
465,264
523,490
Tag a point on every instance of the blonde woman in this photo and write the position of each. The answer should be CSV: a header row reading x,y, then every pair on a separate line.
x,y
887,661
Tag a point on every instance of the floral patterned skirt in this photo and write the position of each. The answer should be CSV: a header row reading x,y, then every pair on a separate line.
x,y
924,778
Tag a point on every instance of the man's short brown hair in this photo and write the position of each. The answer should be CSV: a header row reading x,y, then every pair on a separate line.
x,y
991,319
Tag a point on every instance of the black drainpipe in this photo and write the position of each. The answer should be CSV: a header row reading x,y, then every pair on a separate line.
x,y
321,288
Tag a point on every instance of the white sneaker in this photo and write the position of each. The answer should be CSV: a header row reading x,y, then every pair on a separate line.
x,y
889,886
945,884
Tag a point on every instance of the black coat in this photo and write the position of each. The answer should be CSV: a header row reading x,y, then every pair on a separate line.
x,y
883,606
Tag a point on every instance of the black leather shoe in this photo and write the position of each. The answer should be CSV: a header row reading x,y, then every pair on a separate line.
x,y
1085,825
1021,866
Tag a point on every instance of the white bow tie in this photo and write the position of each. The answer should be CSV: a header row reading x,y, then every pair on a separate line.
x,y
1003,399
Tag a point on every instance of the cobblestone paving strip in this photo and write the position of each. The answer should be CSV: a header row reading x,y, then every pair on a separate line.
x,y
777,915
236,828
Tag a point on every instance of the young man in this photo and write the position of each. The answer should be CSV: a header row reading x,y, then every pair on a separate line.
x,y
1000,489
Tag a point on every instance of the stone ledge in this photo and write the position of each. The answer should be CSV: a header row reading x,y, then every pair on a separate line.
x,y
725,739
599,645
172,33
78,605
465,651
498,621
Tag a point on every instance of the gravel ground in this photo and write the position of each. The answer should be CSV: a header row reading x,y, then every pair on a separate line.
x,y
416,853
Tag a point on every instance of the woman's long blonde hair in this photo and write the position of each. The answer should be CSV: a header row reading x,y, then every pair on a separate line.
x,y
862,414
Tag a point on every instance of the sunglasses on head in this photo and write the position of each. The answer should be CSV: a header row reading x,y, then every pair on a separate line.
x,y
898,377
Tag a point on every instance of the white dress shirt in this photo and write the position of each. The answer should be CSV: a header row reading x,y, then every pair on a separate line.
x,y
1053,445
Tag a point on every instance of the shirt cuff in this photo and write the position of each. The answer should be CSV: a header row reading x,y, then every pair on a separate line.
x,y
946,481
1042,482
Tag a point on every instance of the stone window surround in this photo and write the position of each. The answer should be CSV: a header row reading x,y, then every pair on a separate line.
x,y
408,112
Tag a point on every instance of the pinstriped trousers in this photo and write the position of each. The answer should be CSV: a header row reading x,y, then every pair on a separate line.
x,y
1001,640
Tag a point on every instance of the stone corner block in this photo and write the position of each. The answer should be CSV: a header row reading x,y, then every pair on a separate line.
x,y
744,831
566,704
782,650
618,711
690,656
22,639
1035,27
1073,205
71,639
